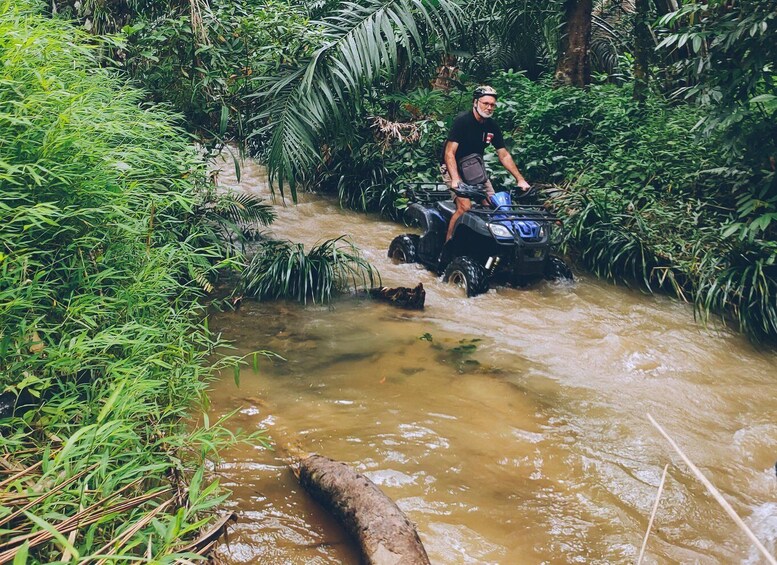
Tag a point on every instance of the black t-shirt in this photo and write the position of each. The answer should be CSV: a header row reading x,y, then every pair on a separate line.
x,y
472,135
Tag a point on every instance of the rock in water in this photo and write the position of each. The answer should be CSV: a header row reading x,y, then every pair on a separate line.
x,y
402,296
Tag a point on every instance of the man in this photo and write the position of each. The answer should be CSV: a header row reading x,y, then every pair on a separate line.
x,y
472,131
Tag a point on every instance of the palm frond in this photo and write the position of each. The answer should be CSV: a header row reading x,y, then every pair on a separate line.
x,y
226,221
242,208
519,35
361,41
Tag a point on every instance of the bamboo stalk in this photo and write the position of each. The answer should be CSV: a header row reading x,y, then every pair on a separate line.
x,y
20,474
43,497
15,499
126,536
716,495
653,514
85,518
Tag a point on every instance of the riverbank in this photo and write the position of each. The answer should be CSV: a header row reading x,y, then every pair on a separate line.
x,y
103,257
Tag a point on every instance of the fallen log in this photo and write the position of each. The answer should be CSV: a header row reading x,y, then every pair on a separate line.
x,y
401,296
384,534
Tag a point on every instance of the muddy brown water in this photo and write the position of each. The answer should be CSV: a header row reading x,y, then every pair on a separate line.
x,y
511,427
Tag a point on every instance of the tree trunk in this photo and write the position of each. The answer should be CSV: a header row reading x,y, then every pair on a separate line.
x,y
574,64
643,46
384,533
446,73
663,7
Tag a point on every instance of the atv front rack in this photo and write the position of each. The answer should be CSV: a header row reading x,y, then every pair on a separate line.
x,y
534,213
427,192
432,192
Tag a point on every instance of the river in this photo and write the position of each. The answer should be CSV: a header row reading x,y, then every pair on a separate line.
x,y
510,427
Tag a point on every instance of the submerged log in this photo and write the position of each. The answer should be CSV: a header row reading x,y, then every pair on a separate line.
x,y
402,296
384,533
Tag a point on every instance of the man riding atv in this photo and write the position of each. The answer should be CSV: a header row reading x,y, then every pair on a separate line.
x,y
490,240
501,242
462,156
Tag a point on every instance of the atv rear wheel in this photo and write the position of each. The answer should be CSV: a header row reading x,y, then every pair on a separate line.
x,y
467,274
404,248
557,269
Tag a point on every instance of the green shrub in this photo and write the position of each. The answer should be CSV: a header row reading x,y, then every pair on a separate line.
x,y
281,269
209,71
647,199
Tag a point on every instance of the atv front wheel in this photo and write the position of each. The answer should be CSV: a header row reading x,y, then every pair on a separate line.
x,y
557,269
404,248
467,274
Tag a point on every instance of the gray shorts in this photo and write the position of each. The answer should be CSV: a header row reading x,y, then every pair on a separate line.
x,y
446,178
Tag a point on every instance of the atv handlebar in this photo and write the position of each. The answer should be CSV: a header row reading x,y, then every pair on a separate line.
x,y
524,194
429,192
478,192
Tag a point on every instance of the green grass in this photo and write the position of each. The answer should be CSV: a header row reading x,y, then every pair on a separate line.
x,y
106,244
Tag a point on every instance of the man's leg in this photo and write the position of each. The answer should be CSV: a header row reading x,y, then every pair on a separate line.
x,y
462,206
489,192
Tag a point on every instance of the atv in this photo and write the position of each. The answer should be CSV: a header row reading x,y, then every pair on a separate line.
x,y
500,242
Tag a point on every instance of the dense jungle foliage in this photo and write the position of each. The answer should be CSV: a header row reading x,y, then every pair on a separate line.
x,y
112,233
656,140
106,245
676,133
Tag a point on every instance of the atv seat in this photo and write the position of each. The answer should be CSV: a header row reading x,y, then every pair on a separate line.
x,y
447,208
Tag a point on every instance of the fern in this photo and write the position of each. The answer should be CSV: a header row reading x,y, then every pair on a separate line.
x,y
361,40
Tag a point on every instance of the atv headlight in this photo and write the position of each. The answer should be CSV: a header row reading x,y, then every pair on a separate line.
x,y
500,230
543,230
